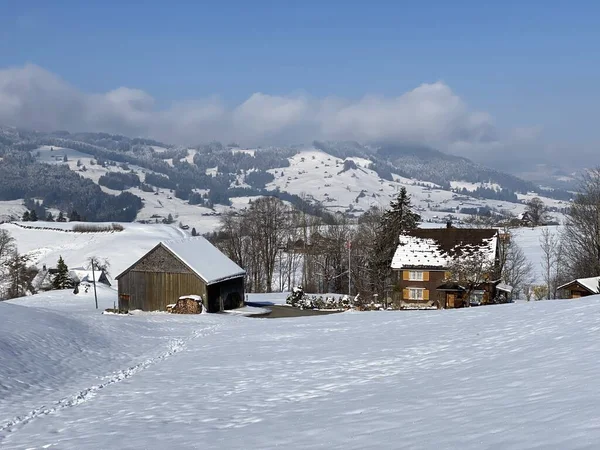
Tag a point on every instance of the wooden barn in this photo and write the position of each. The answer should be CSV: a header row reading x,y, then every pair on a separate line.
x,y
174,269
581,287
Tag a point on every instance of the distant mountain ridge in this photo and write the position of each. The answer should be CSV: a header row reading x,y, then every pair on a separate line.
x,y
213,174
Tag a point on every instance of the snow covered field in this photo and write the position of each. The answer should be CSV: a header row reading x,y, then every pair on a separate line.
x,y
508,376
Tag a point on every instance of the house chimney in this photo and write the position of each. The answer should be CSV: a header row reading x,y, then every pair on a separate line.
x,y
449,224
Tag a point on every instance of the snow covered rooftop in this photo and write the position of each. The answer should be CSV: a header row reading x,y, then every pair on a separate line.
x,y
435,248
86,275
591,284
205,259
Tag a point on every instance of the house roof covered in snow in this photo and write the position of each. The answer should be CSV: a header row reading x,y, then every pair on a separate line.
x,y
203,258
435,248
86,275
591,284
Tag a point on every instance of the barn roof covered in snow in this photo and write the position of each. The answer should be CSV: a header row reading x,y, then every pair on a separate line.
x,y
203,258
591,284
435,248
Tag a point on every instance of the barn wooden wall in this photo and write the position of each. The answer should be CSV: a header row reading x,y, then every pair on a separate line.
x,y
157,280
153,291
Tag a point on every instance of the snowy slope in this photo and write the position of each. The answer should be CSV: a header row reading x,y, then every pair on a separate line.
x,y
11,208
517,376
120,248
317,174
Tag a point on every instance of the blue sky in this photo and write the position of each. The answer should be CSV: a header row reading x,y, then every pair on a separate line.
x,y
526,64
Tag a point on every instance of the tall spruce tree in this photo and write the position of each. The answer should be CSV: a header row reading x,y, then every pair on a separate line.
x,y
397,219
26,217
61,279
33,216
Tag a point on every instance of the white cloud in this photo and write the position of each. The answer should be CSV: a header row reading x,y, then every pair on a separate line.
x,y
430,114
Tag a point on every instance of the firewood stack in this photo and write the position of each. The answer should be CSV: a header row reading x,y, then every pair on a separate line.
x,y
186,306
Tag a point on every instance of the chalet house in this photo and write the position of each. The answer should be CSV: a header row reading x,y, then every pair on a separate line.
x,y
424,256
176,269
81,275
582,287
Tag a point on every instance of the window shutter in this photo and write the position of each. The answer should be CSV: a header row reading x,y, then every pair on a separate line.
x,y
405,275
425,294
425,276
405,294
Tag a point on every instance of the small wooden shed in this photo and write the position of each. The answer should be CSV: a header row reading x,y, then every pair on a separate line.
x,y
581,287
172,269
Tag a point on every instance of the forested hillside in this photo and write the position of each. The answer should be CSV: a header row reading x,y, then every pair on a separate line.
x,y
212,174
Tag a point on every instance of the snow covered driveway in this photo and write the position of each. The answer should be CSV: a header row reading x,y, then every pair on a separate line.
x,y
506,376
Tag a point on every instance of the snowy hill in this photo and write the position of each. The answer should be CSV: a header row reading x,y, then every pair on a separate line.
x,y
349,185
508,376
45,246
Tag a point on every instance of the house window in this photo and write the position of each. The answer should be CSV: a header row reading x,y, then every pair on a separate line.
x,y
415,294
415,275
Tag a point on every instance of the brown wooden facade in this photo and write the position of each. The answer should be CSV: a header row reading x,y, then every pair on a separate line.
x,y
431,279
576,290
159,278
436,290
422,276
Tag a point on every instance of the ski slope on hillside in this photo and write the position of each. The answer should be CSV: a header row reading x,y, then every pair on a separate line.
x,y
517,376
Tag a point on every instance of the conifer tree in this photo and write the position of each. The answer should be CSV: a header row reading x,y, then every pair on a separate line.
x,y
61,217
397,219
33,216
49,217
74,217
194,232
26,217
61,279
400,216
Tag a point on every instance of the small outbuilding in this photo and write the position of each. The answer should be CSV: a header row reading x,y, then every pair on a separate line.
x,y
581,287
186,267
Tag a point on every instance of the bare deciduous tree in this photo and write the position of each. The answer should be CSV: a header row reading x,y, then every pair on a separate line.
x,y
537,211
7,247
472,270
551,250
581,235
19,275
7,244
255,240
96,264
515,269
